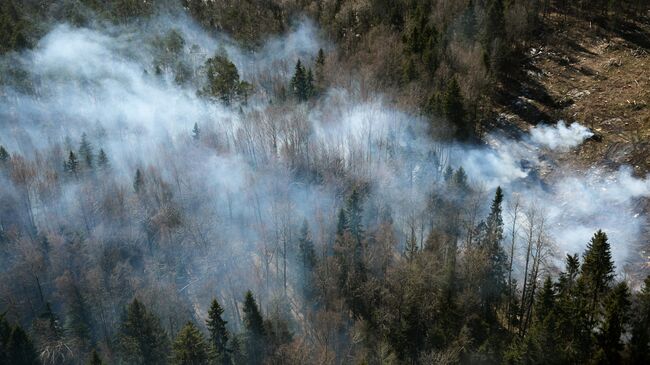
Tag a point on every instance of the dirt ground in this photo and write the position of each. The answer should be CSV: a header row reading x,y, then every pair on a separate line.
x,y
597,75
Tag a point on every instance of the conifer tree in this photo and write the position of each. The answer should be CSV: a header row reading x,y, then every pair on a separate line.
x,y
300,83
353,215
454,110
196,132
310,84
72,165
319,71
86,151
141,338
616,317
4,155
494,283
597,269
459,181
102,160
306,249
19,349
307,257
138,181
255,332
223,80
218,333
189,347
640,341
236,352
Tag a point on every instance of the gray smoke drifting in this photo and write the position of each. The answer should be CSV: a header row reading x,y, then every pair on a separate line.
x,y
258,170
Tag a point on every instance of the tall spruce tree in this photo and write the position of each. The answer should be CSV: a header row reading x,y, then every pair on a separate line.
x,y
196,132
102,160
255,346
597,269
72,165
86,151
18,349
218,334
640,341
454,110
616,317
300,83
138,181
189,347
4,155
141,338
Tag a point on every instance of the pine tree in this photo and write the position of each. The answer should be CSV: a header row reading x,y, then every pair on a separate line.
x,y
86,151
102,160
597,269
454,110
459,181
300,83
640,341
196,132
218,333
319,71
223,80
310,84
189,347
141,338
237,354
138,181
19,349
494,282
254,331
353,215
4,155
307,257
616,317
72,165
95,359
306,248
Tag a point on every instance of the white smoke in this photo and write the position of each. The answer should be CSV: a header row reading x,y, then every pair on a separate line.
x,y
560,137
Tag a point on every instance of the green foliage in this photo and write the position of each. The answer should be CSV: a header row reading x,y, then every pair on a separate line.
x,y
218,334
4,155
141,338
302,83
454,111
72,165
223,81
640,341
255,333
15,346
597,269
102,160
86,151
196,132
13,34
189,347
615,320
138,181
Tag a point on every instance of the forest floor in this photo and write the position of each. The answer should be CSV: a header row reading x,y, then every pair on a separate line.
x,y
594,74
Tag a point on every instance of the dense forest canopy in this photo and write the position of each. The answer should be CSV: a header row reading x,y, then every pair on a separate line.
x,y
304,182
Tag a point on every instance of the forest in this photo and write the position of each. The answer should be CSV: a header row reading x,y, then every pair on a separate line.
x,y
310,182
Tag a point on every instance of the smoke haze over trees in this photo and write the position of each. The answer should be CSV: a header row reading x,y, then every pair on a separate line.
x,y
252,182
